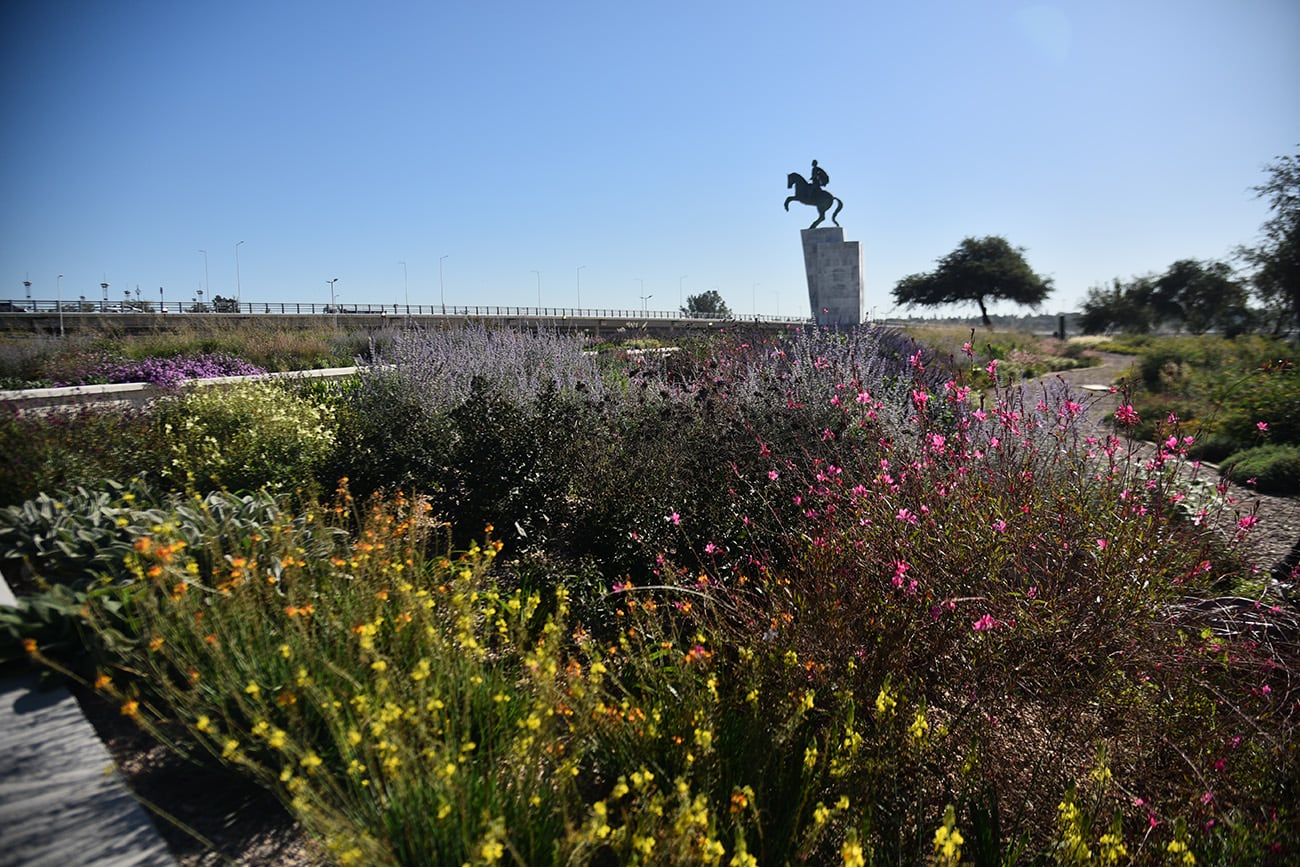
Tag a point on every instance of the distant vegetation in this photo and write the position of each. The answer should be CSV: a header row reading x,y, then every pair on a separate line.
x,y
1200,296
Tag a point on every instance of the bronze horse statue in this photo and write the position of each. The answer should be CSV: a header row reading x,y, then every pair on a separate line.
x,y
806,194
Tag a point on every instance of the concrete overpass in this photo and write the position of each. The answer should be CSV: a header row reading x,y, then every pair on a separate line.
x,y
46,318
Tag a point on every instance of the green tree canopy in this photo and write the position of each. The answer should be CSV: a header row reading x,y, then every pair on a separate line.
x,y
1276,260
1120,307
979,270
1200,296
707,304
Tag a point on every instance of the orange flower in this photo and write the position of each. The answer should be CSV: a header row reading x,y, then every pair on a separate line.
x,y
29,645
143,545
131,708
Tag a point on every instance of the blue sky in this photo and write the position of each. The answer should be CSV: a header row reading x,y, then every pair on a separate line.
x,y
645,143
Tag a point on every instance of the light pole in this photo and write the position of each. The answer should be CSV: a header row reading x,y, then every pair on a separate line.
x,y
333,307
644,299
104,286
580,267
205,268
58,299
406,289
539,289
27,284
442,286
239,292
679,289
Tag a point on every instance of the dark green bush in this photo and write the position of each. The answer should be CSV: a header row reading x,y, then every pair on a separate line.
x,y
1275,469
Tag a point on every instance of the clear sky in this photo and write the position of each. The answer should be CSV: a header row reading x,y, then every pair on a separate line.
x,y
646,143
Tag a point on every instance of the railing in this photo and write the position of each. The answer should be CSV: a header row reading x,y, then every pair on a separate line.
x,y
281,308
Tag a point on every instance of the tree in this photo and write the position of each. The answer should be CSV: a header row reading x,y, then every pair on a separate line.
x,y
979,270
1201,296
1276,260
708,304
1123,307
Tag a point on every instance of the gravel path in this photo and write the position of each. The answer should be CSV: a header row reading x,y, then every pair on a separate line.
x,y
1278,530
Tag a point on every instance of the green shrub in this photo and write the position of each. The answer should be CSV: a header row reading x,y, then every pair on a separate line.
x,y
62,450
244,436
1274,468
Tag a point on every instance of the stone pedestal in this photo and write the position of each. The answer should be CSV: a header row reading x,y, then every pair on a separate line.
x,y
834,269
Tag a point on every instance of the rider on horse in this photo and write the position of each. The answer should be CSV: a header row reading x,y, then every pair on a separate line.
x,y
818,177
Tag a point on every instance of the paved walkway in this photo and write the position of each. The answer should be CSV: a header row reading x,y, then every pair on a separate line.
x,y
62,803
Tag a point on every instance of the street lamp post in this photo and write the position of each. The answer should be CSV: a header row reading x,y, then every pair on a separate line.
x,y
580,267
406,288
644,299
205,268
104,286
58,299
442,286
334,308
539,289
27,284
239,291
679,289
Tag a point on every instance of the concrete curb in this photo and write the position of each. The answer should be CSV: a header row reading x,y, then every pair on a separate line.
x,y
62,801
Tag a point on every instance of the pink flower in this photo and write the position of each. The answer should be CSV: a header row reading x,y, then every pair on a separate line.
x,y
905,514
1247,522
1000,525
966,348
1101,543
984,624
711,548
1262,425
676,519
773,475
1126,414
992,368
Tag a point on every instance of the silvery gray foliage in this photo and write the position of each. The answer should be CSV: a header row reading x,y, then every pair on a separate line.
x,y
441,366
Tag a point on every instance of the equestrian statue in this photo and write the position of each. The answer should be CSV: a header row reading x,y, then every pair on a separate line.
x,y
811,193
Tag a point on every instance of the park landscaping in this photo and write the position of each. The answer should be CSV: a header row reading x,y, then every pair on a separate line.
x,y
818,599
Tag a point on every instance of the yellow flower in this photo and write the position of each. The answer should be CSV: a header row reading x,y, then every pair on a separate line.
x,y
131,708
311,762
885,703
203,724
253,689
229,748
851,852
1112,849
919,728
492,851
277,738
948,840
285,651
379,665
